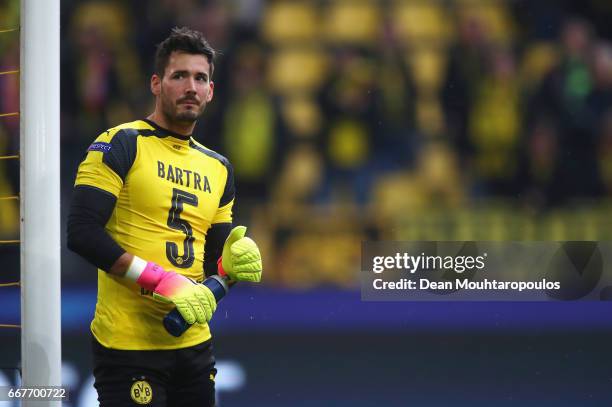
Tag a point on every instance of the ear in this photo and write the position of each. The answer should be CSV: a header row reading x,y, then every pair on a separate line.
x,y
155,85
212,91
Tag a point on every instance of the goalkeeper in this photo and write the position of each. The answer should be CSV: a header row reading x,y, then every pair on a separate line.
x,y
152,209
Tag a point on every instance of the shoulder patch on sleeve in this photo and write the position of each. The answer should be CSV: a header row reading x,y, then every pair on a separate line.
x,y
100,146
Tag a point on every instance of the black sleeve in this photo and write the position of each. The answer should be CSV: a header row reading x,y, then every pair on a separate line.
x,y
229,191
90,210
215,238
122,152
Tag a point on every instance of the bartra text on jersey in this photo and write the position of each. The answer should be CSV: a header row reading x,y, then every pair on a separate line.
x,y
191,178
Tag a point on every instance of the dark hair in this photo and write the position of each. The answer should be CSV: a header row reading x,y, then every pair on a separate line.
x,y
183,39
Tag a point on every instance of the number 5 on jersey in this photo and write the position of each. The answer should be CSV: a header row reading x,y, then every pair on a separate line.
x,y
180,198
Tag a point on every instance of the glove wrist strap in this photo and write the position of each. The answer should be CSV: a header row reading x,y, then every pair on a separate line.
x,y
145,274
220,269
137,266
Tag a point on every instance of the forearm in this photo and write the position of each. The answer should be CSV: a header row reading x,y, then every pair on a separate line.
x,y
120,267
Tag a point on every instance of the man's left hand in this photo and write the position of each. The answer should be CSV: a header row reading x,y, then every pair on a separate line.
x,y
241,259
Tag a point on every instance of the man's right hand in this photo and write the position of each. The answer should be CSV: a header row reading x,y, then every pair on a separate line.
x,y
195,302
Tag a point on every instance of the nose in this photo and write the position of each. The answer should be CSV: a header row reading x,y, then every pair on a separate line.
x,y
191,86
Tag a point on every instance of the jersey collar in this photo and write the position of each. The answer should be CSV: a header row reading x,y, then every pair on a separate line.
x,y
167,132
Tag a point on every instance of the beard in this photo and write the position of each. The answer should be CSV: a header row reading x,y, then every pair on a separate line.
x,y
174,113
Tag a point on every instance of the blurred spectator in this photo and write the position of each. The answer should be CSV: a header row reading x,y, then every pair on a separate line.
x,y
249,124
494,125
563,98
394,141
538,174
351,117
101,70
466,67
600,101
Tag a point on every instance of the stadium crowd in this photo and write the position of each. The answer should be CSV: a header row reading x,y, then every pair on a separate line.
x,y
349,91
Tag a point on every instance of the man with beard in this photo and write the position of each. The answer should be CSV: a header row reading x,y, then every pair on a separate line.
x,y
152,209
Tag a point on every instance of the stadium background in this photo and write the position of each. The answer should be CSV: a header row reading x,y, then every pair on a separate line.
x,y
356,120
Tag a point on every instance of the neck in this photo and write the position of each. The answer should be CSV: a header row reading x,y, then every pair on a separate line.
x,y
161,120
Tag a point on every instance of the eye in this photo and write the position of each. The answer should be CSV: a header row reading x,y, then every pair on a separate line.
x,y
178,75
202,78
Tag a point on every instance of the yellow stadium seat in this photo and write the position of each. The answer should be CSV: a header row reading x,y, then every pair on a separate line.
x,y
296,69
302,114
355,22
109,19
438,168
301,175
290,22
397,193
428,67
420,20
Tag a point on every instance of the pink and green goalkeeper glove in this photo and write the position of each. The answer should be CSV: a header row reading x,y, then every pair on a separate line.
x,y
195,302
241,260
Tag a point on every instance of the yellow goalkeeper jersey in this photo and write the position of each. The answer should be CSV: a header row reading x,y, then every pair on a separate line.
x,y
169,190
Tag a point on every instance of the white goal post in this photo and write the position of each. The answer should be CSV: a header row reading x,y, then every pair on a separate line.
x,y
40,195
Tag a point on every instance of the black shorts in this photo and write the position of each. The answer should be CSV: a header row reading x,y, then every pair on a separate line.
x,y
177,378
